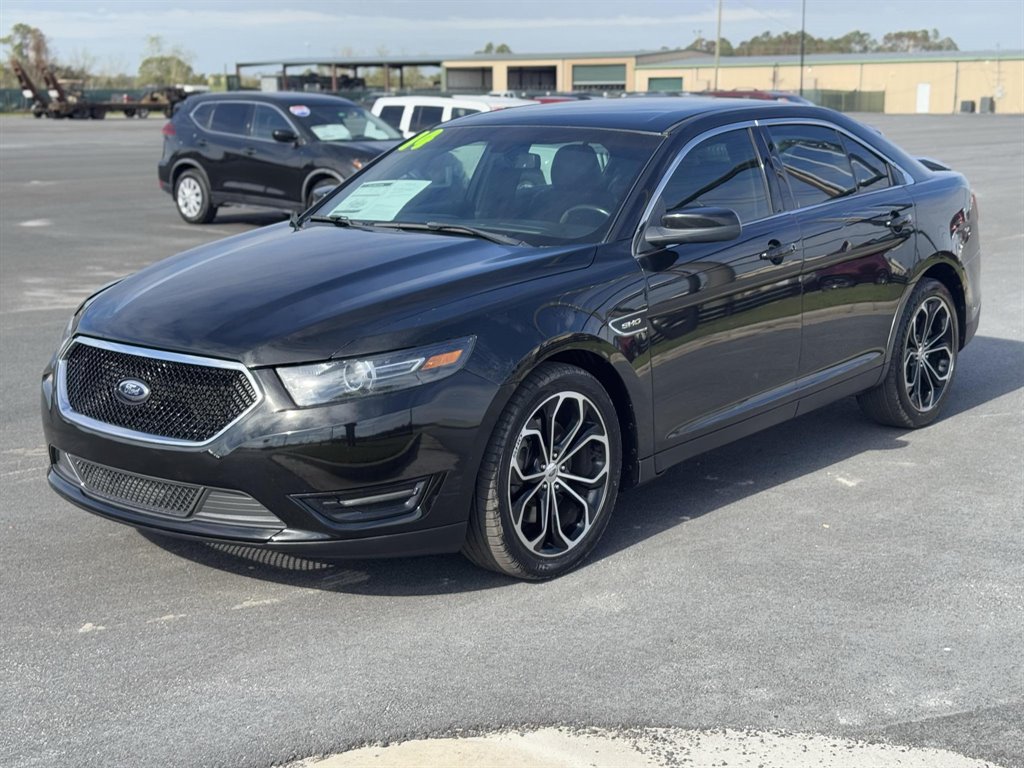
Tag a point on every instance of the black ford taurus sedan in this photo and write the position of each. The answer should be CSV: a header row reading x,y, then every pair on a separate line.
x,y
278,150
477,340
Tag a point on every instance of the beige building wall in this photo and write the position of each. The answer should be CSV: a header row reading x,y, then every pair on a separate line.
x,y
941,85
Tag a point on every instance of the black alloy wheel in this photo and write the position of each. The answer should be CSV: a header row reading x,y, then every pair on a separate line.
x,y
549,476
923,362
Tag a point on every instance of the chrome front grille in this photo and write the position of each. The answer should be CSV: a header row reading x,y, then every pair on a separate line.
x,y
137,492
187,400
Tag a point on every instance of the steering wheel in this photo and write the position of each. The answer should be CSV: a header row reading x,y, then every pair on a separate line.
x,y
583,207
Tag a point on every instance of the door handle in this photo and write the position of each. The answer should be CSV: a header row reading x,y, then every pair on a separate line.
x,y
248,151
897,221
201,143
777,252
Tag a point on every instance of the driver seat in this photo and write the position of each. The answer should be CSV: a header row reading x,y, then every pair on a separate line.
x,y
576,179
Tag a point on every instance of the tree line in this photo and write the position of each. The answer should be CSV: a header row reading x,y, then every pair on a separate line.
x,y
788,43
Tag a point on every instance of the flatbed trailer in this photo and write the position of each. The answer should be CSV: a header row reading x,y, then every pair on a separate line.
x,y
58,103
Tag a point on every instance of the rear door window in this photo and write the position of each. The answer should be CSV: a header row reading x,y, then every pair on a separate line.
x,y
425,117
463,111
815,163
231,117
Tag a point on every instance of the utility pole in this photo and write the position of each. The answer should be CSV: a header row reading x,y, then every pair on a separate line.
x,y
803,34
718,42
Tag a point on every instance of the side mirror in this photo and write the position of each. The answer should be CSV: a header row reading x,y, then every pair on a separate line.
x,y
695,225
284,135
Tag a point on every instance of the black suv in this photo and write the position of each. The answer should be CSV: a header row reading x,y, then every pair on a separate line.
x,y
273,149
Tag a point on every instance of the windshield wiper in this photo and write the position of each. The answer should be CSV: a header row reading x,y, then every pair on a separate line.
x,y
455,229
338,221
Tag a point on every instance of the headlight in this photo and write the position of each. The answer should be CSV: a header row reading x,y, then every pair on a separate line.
x,y
336,380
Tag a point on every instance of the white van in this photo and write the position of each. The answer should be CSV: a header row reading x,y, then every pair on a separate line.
x,y
412,114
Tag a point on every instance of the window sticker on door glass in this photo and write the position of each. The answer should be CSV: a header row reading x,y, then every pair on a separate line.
x,y
379,200
299,110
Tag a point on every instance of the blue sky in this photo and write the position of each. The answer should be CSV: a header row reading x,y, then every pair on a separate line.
x,y
220,32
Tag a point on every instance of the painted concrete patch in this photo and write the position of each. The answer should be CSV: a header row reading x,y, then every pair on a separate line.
x,y
644,748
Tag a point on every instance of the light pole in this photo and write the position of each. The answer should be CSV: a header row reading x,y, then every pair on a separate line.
x,y
718,42
803,34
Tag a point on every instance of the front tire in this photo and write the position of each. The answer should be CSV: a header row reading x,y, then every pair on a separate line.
x,y
923,362
549,476
192,198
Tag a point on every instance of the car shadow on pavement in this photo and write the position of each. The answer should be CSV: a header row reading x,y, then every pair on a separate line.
x,y
990,367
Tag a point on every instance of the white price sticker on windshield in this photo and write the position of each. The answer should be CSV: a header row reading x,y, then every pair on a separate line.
x,y
379,200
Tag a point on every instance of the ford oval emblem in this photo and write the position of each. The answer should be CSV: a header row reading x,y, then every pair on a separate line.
x,y
132,391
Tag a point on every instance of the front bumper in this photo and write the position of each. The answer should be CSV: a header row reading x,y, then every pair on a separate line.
x,y
288,460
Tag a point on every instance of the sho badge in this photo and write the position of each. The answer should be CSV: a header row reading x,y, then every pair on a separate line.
x,y
132,391
632,324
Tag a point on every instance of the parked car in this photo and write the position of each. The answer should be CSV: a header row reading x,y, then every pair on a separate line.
x,y
463,348
785,96
412,114
280,150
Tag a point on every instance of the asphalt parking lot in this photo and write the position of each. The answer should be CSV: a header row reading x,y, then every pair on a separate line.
x,y
827,576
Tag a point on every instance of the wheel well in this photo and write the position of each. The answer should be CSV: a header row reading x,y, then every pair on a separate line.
x,y
314,178
180,168
946,275
605,373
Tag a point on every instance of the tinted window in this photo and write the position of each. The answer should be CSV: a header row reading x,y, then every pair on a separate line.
x,y
392,115
266,120
871,171
722,171
231,117
424,117
463,111
815,161
201,115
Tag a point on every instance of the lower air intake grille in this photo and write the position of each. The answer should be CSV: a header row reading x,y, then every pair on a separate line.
x,y
138,492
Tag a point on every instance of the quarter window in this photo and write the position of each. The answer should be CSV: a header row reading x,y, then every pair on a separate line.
x,y
201,115
871,171
425,117
721,171
463,111
266,120
815,162
231,117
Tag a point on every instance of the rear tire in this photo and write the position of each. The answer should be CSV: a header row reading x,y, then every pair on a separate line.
x,y
923,362
549,476
192,198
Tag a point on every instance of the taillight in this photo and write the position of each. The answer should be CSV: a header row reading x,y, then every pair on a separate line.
x,y
168,130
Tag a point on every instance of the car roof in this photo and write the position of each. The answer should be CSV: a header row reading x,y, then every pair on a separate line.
x,y
654,115
270,97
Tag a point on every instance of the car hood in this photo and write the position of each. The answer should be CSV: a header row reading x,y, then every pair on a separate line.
x,y
276,296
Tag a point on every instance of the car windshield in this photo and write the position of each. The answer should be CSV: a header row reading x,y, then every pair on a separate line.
x,y
343,123
539,185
